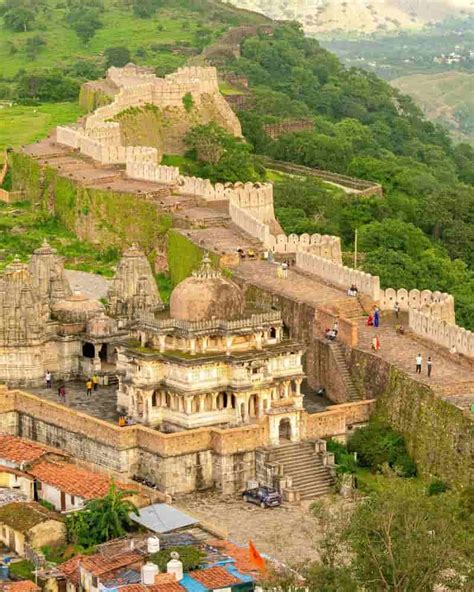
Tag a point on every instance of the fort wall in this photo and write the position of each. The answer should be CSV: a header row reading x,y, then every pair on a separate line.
x,y
438,305
339,275
441,332
178,462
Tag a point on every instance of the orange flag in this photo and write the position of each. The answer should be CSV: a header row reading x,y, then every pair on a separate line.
x,y
256,558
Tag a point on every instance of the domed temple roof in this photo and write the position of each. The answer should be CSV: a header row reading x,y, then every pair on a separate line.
x,y
77,308
206,295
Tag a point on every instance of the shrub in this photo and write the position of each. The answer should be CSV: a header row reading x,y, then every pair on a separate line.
x,y
188,102
190,556
377,444
436,487
344,459
117,56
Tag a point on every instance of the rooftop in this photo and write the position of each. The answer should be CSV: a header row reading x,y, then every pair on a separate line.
x,y
73,480
163,583
22,586
70,569
162,518
99,565
18,450
214,578
23,516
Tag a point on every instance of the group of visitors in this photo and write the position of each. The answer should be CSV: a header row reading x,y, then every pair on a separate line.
x,y
331,334
353,291
373,320
249,254
92,384
125,420
419,364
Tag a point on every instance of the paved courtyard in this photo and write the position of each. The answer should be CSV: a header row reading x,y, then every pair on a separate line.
x,y
101,404
288,533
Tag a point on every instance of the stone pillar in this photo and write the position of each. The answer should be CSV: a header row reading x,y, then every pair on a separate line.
x,y
162,342
295,432
228,344
193,346
202,401
214,401
258,340
188,401
205,344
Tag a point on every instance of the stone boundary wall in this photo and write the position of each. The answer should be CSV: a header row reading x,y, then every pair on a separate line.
x,y
339,275
275,130
441,332
438,305
348,332
249,224
361,186
117,444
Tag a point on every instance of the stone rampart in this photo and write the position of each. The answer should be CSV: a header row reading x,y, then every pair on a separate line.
x,y
326,246
441,332
249,224
339,275
438,305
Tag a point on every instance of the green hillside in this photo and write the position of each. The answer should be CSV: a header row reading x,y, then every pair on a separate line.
x,y
447,98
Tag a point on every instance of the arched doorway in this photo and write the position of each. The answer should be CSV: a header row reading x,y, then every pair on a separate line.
x,y
284,430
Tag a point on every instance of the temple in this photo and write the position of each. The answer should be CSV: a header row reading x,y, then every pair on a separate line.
x,y
211,361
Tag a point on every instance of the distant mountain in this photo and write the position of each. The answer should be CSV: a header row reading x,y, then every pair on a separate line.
x,y
363,16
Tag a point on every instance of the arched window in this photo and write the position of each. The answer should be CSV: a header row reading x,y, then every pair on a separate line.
x,y
273,333
88,350
154,399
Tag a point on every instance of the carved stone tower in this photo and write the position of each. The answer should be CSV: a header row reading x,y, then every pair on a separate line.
x,y
133,290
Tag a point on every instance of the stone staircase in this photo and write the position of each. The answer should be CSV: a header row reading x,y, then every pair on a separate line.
x,y
350,308
300,462
337,351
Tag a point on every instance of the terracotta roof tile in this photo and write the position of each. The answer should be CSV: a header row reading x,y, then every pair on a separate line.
x,y
163,583
99,565
70,569
73,480
23,586
12,471
20,450
214,577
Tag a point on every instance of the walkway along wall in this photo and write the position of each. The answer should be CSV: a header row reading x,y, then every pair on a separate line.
x,y
179,462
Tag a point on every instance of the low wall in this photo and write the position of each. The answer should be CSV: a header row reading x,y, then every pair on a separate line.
x,y
339,420
442,332
339,275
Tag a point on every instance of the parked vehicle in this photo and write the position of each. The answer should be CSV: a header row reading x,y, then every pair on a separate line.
x,y
265,497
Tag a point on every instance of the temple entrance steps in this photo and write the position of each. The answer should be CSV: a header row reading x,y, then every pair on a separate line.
x,y
338,353
304,465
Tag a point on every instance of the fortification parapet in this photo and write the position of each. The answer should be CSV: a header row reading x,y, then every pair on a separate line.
x,y
441,332
339,275
438,305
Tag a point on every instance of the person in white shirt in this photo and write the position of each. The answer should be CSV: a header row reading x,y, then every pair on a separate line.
x,y
419,362
47,378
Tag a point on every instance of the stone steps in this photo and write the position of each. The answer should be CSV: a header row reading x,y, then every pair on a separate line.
x,y
350,308
300,462
352,393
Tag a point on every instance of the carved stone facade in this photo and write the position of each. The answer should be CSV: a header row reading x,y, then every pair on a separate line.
x,y
133,291
45,327
212,363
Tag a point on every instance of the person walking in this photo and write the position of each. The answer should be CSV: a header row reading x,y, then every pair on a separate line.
x,y
89,385
376,317
48,379
95,381
279,271
419,362
62,393
284,268
429,366
335,327
396,310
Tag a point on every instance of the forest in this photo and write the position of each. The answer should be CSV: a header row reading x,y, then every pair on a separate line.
x,y
422,233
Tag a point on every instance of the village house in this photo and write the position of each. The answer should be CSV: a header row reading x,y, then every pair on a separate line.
x,y
18,452
29,524
18,482
66,486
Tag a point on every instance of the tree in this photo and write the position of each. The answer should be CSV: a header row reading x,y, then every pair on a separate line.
x,y
85,21
404,540
102,519
144,8
117,56
33,46
20,18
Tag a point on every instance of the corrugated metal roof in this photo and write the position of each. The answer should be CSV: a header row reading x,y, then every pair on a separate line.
x,y
161,518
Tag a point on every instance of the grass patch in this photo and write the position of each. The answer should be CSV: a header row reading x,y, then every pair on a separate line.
x,y
22,570
22,230
22,124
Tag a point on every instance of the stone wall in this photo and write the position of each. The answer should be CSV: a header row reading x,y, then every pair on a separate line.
x,y
348,329
275,130
438,434
438,305
339,275
179,462
441,332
